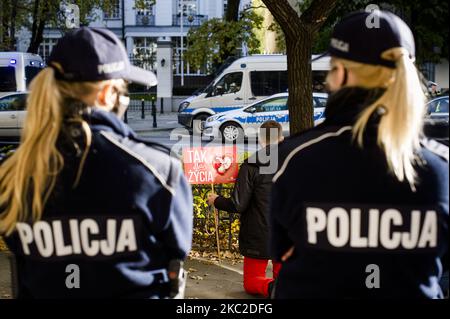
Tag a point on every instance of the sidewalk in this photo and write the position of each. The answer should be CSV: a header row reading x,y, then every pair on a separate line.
x,y
210,280
165,122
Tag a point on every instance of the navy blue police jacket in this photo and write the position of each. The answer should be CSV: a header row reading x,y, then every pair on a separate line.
x,y
112,233
357,231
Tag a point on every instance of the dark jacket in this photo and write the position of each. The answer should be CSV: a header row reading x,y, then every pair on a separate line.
x,y
349,218
250,198
129,215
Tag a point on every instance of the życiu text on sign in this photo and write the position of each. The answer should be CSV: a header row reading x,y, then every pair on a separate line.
x,y
211,165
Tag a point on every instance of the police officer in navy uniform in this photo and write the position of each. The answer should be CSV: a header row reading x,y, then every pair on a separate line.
x,y
360,203
88,208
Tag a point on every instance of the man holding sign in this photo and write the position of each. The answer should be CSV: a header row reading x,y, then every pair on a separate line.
x,y
250,199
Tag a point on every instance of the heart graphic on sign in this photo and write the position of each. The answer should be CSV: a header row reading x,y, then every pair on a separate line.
x,y
222,164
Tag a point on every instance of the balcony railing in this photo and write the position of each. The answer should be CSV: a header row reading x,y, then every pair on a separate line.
x,y
189,20
145,20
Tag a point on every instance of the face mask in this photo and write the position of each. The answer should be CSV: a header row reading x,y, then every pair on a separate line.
x,y
122,103
343,84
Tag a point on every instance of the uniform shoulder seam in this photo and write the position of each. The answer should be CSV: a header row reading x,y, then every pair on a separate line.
x,y
307,144
436,148
139,158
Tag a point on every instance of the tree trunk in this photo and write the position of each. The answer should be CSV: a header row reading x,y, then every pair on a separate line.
x,y
39,20
12,29
34,26
5,39
232,13
300,32
300,102
1,24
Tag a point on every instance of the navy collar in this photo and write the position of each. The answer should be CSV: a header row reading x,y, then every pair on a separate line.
x,y
344,106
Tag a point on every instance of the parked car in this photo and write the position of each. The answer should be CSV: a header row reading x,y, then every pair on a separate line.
x,y
438,108
436,121
12,115
245,122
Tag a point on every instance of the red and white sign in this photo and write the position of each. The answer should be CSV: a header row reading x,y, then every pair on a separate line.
x,y
211,165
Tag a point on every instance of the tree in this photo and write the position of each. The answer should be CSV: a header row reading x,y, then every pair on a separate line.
x,y
48,13
427,20
300,22
232,13
216,39
231,16
12,14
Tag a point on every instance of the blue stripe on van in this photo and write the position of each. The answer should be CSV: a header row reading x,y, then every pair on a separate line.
x,y
263,118
217,109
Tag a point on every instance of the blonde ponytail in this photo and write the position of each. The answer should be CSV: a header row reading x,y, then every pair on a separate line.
x,y
27,177
404,105
31,171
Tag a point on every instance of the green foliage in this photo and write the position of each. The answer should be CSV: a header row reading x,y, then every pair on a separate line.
x,y
144,4
216,39
3,246
204,236
47,12
279,38
427,20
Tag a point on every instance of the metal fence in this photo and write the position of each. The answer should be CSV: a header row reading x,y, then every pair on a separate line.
x,y
189,21
145,20
139,105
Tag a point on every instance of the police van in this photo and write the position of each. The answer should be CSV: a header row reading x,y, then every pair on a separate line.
x,y
245,122
17,69
245,81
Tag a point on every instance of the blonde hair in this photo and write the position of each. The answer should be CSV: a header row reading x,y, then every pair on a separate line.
x,y
403,102
28,177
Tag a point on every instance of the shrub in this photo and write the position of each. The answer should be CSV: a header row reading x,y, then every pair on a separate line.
x,y
204,235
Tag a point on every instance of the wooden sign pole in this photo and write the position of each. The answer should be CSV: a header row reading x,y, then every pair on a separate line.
x,y
216,222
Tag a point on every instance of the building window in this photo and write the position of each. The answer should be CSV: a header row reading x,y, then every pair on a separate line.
x,y
149,10
144,53
146,16
46,47
190,7
191,16
115,12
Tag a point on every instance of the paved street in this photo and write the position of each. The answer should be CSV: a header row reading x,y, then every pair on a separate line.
x,y
172,134
169,133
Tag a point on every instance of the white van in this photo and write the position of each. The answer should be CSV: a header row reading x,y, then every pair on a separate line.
x,y
17,69
245,81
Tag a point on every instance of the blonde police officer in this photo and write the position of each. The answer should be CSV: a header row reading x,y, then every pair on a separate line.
x,y
360,203
83,195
